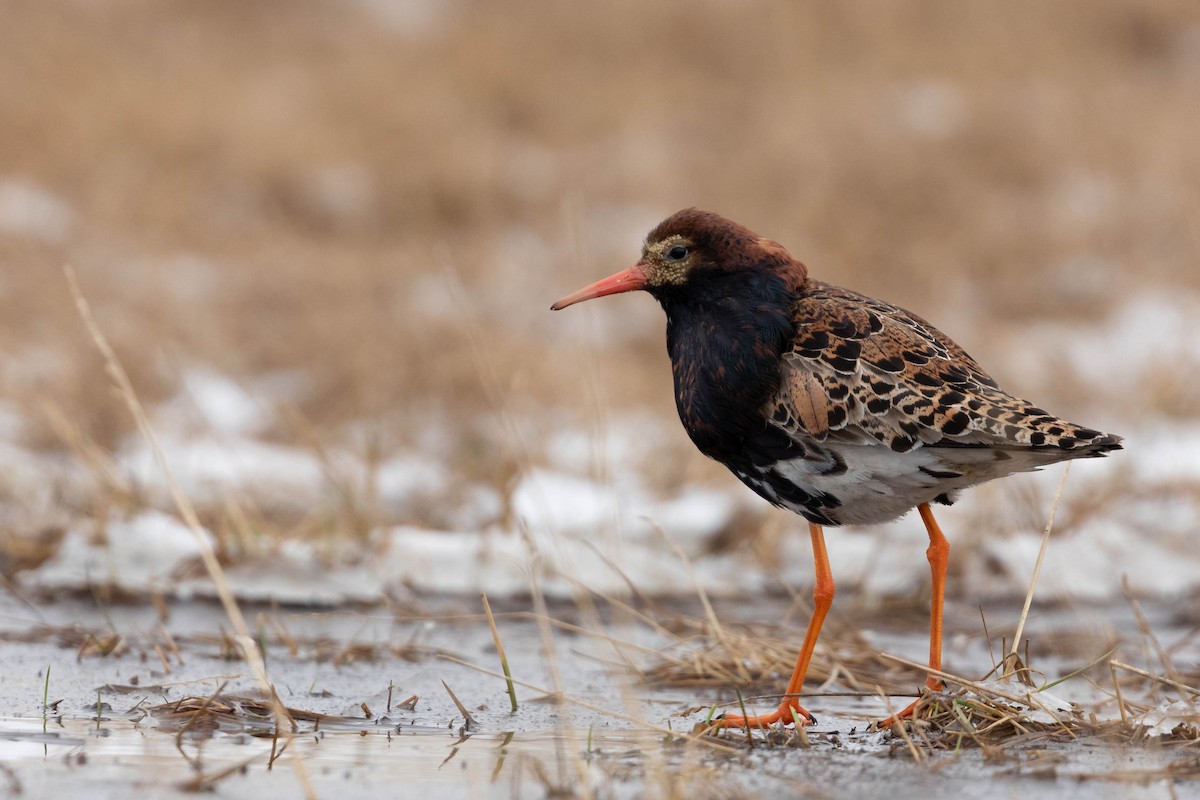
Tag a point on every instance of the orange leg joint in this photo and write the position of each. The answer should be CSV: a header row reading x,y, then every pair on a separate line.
x,y
939,557
790,711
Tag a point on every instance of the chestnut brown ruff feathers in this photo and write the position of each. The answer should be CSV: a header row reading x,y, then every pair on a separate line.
x,y
842,408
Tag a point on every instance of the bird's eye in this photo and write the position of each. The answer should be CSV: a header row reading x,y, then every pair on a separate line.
x,y
677,253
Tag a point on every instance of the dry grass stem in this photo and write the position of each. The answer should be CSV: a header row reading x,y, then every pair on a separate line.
x,y
1116,682
752,654
1011,659
186,510
899,727
1191,690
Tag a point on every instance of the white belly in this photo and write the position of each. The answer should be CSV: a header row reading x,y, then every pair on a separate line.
x,y
879,485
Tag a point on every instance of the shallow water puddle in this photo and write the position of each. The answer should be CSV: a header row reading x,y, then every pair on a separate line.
x,y
375,758
373,717
342,759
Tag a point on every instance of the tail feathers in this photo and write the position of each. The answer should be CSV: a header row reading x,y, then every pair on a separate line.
x,y
1099,447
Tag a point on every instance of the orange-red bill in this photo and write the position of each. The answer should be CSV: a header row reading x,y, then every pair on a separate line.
x,y
624,281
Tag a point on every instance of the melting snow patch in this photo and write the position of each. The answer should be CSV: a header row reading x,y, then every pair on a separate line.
x,y
1165,453
1163,719
1036,705
296,574
1153,322
212,471
213,403
557,501
136,555
404,477
569,541
31,210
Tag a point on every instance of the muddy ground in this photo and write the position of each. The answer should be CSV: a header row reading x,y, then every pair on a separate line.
x,y
179,710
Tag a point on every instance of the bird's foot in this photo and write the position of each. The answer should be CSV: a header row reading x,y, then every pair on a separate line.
x,y
790,712
911,708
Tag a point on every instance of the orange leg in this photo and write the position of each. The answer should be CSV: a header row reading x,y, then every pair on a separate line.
x,y
790,709
939,556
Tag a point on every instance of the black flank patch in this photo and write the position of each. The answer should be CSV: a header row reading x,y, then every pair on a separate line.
x,y
845,366
882,387
838,467
759,486
786,490
1055,430
924,419
1037,439
910,429
901,444
995,412
874,322
1012,432
944,499
781,414
773,445
826,500
1086,433
940,474
817,517
837,416
1067,442
956,424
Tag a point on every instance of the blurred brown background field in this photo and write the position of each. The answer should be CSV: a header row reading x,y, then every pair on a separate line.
x,y
378,201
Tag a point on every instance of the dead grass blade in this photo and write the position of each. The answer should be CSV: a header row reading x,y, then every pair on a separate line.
x,y
899,728
186,510
470,721
1191,690
1010,661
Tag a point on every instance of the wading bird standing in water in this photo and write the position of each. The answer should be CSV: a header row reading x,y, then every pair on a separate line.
x,y
839,407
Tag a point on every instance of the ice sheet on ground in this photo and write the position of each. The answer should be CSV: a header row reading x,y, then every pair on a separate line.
x,y
137,555
571,532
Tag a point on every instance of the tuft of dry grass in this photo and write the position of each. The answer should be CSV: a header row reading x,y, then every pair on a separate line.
x,y
201,716
757,656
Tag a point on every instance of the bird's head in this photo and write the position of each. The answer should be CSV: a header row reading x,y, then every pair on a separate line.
x,y
693,252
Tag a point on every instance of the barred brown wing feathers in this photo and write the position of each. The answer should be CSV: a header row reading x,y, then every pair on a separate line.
x,y
861,369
